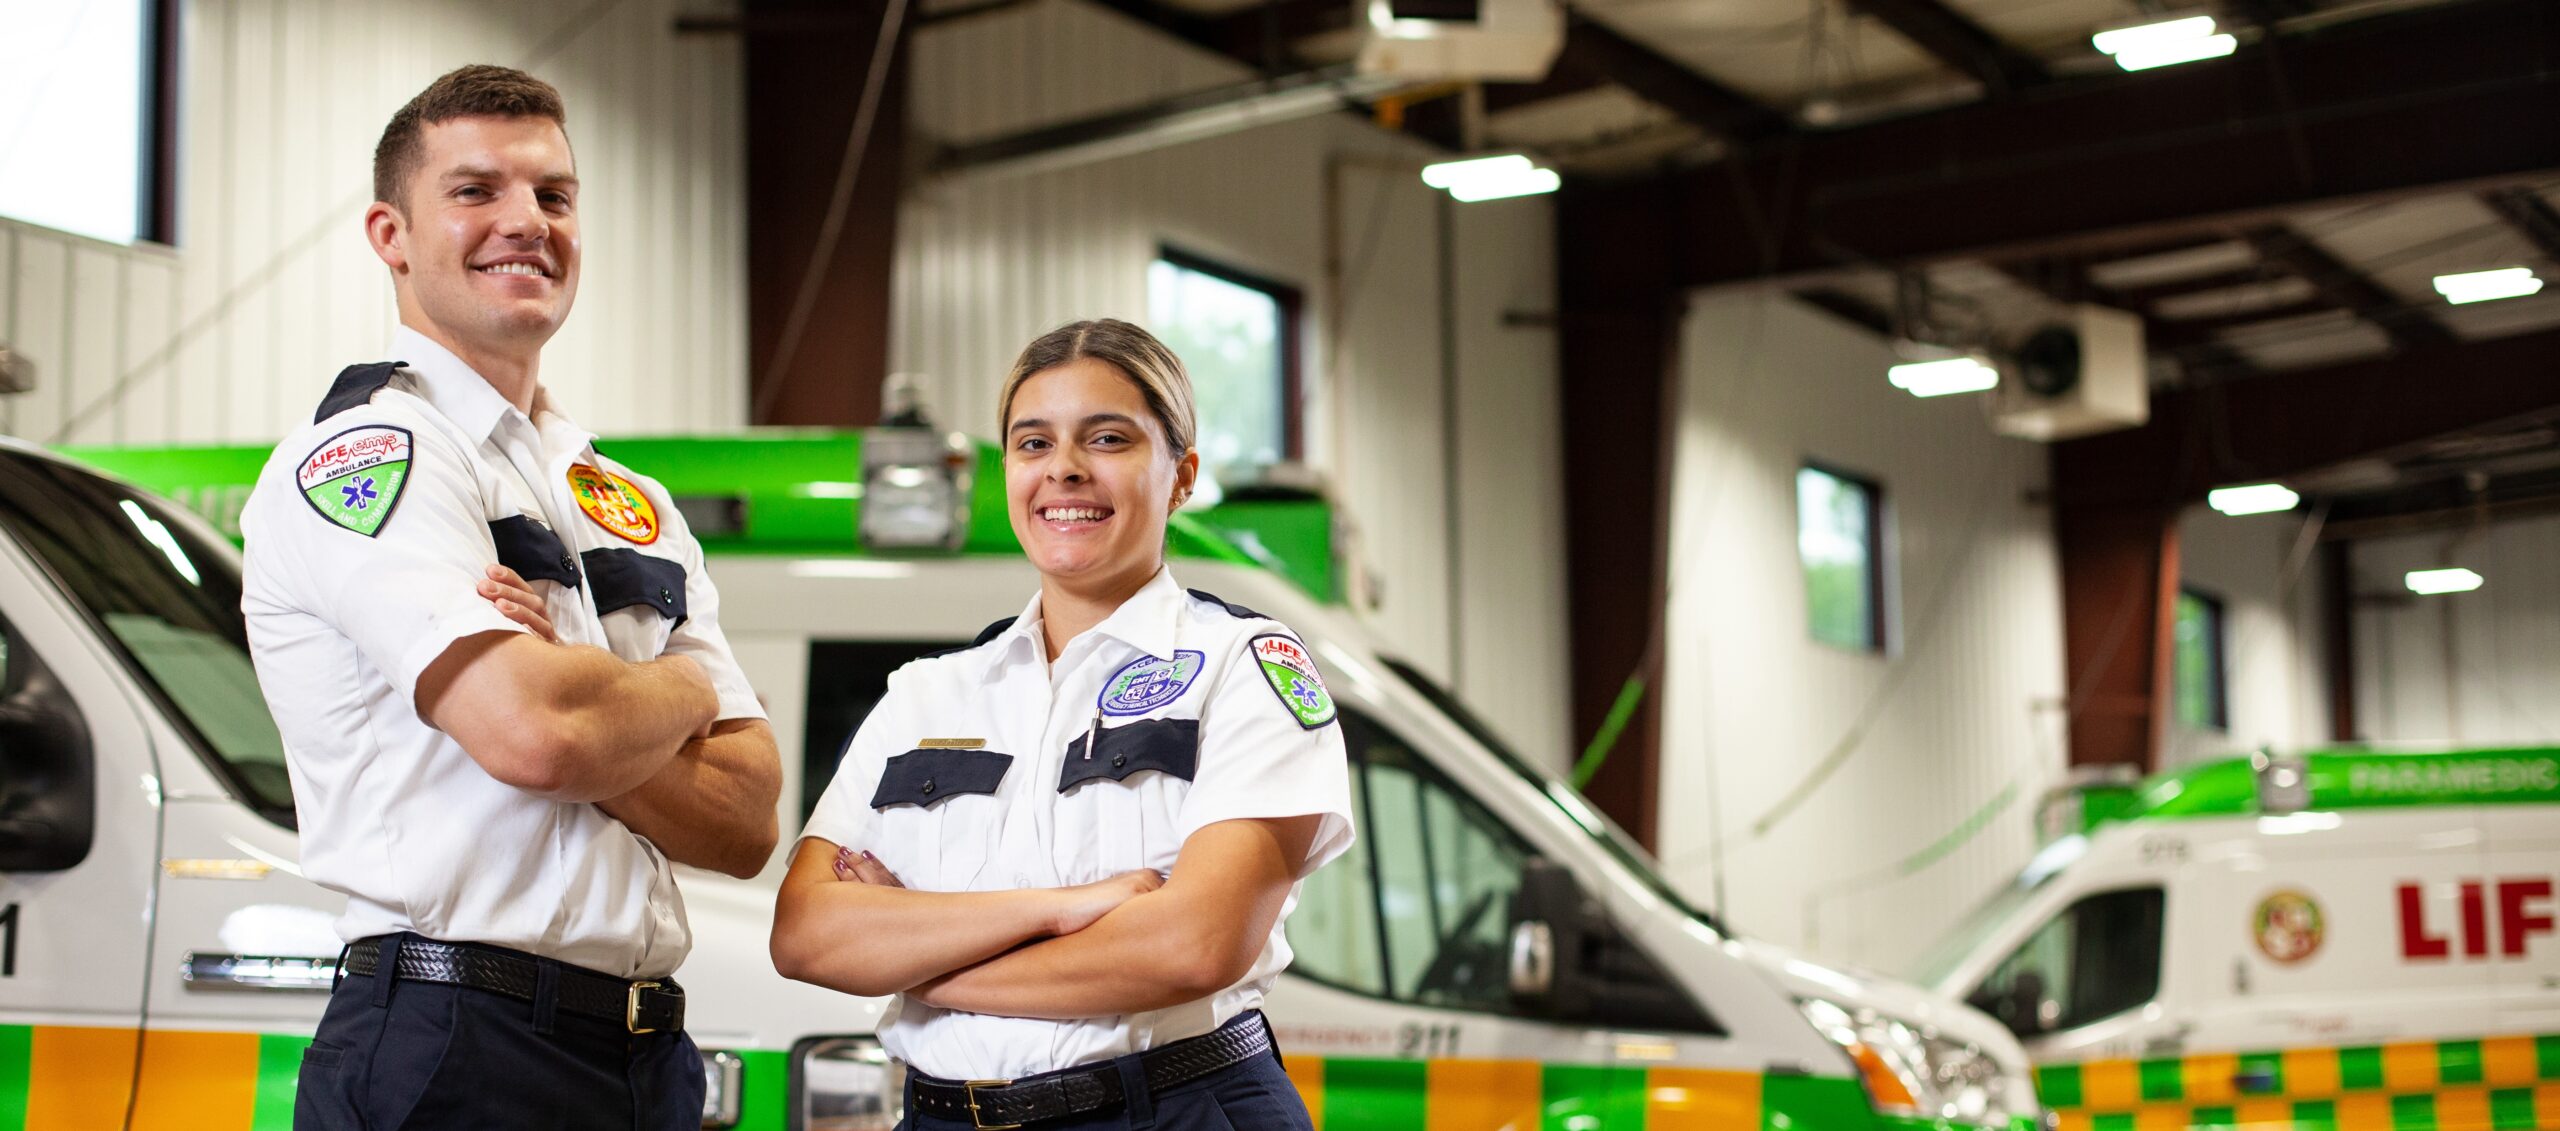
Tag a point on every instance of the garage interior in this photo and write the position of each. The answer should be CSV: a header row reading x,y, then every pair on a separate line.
x,y
1572,435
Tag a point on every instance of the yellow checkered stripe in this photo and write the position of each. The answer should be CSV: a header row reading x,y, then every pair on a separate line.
x,y
2507,1083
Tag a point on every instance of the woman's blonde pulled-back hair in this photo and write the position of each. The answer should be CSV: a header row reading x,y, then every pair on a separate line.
x,y
1124,346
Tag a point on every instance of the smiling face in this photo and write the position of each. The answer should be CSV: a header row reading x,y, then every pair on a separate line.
x,y
1090,478
484,251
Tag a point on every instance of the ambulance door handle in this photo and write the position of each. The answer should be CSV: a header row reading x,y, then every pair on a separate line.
x,y
213,970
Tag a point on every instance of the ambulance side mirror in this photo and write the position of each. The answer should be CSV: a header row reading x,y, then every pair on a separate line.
x,y
1551,919
2018,1005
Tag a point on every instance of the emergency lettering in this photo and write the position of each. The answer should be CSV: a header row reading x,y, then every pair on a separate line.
x,y
2522,907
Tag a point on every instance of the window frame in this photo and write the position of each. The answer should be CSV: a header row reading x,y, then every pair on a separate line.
x,y
1879,621
1291,302
2217,660
161,72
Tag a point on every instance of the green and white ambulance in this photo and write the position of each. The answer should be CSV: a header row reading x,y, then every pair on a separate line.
x,y
1493,954
2348,939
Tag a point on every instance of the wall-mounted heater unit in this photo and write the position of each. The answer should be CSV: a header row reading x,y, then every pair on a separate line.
x,y
2076,378
1452,40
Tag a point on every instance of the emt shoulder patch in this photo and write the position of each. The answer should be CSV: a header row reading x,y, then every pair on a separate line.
x,y
354,478
1292,675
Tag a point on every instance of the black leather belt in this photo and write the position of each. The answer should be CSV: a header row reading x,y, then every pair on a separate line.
x,y
639,1007
993,1105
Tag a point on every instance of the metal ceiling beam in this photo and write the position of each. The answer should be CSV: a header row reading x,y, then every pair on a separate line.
x,y
2389,104
1849,308
1595,52
2198,354
2301,420
2523,208
2409,327
1594,56
1959,43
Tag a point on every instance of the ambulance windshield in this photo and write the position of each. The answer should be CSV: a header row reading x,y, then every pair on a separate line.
x,y
167,593
1583,814
1971,931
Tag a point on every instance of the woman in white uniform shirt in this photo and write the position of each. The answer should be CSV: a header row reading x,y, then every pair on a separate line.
x,y
1068,848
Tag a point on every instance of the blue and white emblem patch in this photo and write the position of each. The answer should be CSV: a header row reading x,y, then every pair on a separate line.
x,y
1147,683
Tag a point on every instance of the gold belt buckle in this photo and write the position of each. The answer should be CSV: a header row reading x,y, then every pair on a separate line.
x,y
970,1089
631,1007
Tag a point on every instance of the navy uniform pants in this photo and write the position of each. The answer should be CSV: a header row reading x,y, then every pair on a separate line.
x,y
1253,1096
398,1054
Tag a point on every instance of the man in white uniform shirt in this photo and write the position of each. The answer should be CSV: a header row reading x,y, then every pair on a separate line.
x,y
497,664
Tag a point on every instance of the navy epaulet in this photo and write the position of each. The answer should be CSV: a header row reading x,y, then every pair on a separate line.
x,y
356,384
1231,607
989,633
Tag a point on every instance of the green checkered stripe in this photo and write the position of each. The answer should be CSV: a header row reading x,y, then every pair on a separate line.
x,y
2488,1084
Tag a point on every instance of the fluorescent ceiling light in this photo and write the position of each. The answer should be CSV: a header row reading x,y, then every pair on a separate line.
x,y
1490,178
2159,44
2429,582
2152,36
1447,174
2481,286
2256,498
1529,183
1939,378
2145,58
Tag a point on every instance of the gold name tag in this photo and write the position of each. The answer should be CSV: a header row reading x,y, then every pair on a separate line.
x,y
950,743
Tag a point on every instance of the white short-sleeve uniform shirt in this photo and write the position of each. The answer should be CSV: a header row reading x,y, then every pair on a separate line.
x,y
366,538
972,775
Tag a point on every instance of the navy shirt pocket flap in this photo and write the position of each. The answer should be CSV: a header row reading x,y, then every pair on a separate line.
x,y
621,578
1170,746
930,777
532,550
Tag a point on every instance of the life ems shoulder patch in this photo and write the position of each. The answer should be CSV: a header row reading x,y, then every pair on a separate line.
x,y
615,503
1146,683
1292,674
354,478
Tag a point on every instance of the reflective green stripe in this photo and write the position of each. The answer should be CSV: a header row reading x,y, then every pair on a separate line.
x,y
2162,1080
17,1047
2113,1121
2214,1117
2315,1115
1574,1095
279,1076
2360,1068
2458,1062
764,1092
1816,1103
1384,1094
2511,1109
2059,1085
2546,1055
2413,1112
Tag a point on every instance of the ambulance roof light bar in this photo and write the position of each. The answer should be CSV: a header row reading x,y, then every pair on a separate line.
x,y
916,479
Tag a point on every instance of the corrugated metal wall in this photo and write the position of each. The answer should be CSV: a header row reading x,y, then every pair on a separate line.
x,y
2268,580
2473,668
232,334
1854,803
985,263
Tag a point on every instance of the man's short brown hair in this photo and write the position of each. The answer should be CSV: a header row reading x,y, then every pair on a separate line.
x,y
476,91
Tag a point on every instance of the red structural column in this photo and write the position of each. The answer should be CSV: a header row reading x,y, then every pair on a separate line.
x,y
2119,614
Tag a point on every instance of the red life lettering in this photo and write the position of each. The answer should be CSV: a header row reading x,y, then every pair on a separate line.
x,y
2517,925
2415,942
2475,921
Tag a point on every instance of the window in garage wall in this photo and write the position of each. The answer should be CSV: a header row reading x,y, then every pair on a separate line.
x,y
2197,664
85,95
1237,334
1839,520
